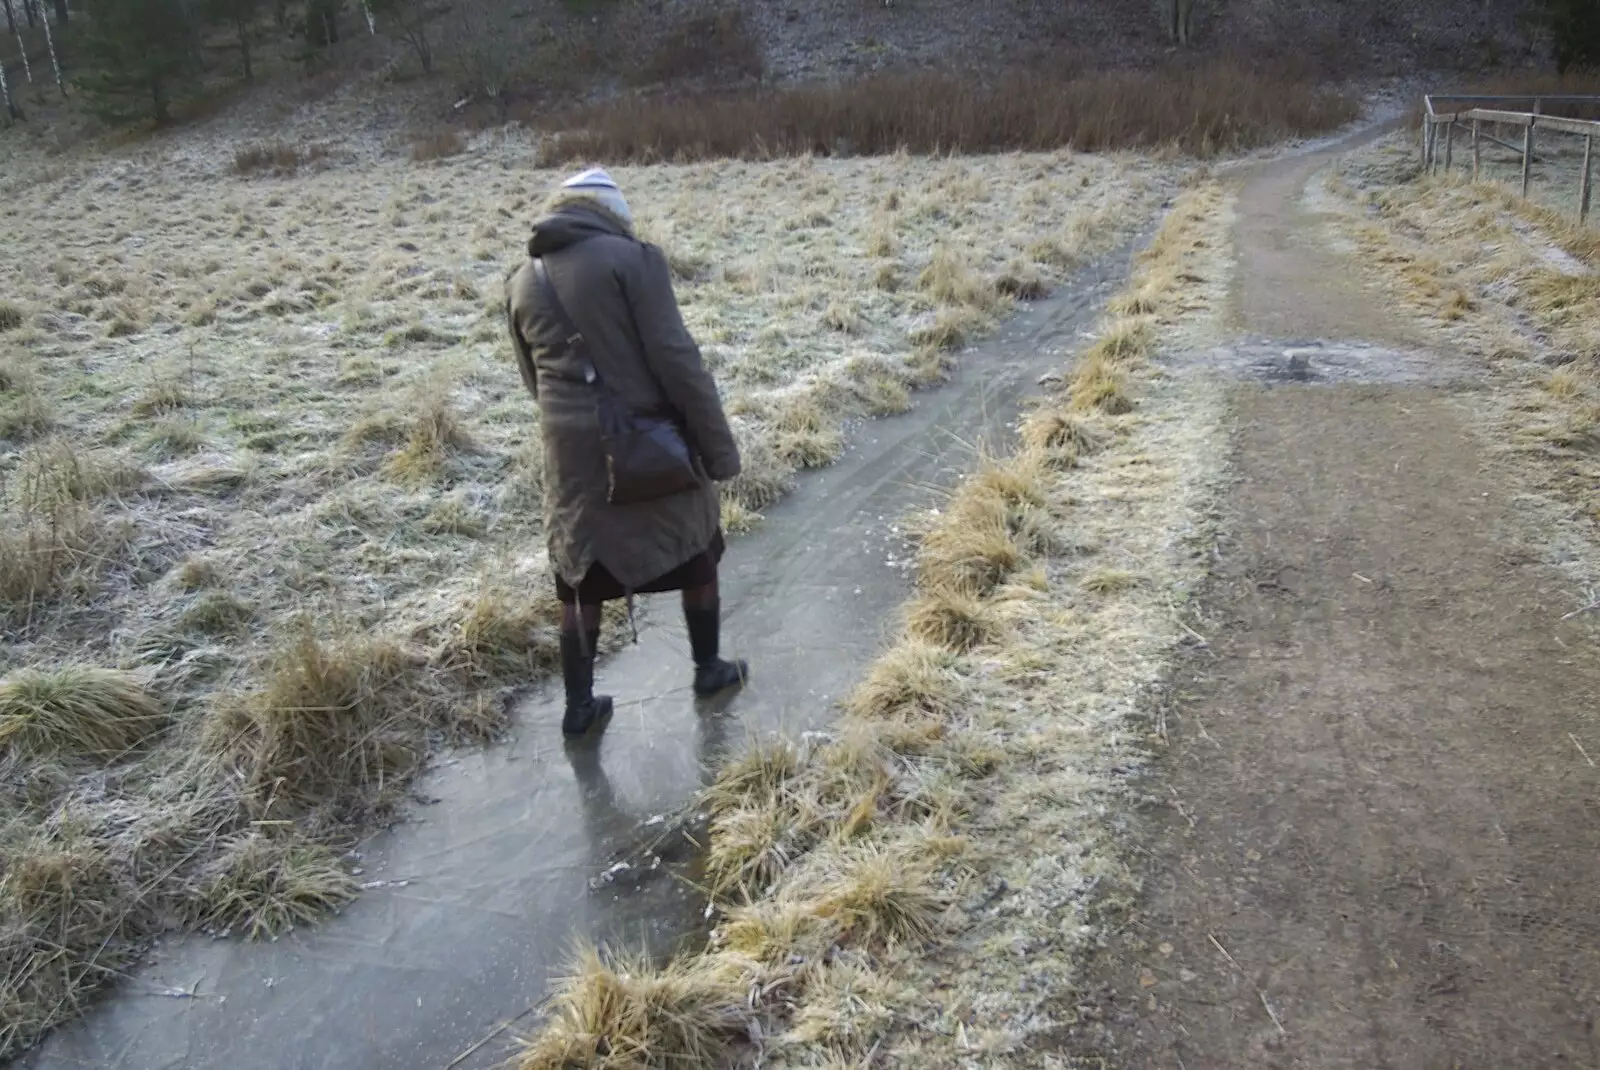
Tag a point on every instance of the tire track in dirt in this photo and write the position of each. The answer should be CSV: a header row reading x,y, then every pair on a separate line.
x,y
1382,833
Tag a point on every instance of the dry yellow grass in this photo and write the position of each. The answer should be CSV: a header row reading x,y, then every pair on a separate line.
x,y
264,884
79,711
998,713
620,1013
330,722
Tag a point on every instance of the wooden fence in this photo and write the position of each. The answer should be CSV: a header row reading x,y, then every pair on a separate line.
x,y
1442,114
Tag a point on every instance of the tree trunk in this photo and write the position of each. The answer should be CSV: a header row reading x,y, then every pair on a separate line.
x,y
61,11
244,48
158,100
11,18
5,91
1180,12
424,49
22,46
27,9
55,62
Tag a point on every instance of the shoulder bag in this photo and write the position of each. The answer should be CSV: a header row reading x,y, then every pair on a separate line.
x,y
647,457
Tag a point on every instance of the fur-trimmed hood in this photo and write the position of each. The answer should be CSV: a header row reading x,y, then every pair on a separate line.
x,y
570,218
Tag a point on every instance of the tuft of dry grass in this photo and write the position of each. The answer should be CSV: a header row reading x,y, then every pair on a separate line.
x,y
1024,282
57,474
1061,438
876,895
174,436
39,557
952,619
452,516
1566,383
265,884
278,158
25,414
775,931
197,573
752,844
438,145
758,773
11,316
764,477
620,1013
1099,386
847,1009
76,711
948,280
434,437
218,613
975,550
1109,581
505,635
807,437
1125,340
912,679
329,723
951,328
162,397
62,899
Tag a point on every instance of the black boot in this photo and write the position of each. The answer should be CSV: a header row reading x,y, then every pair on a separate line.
x,y
711,673
584,708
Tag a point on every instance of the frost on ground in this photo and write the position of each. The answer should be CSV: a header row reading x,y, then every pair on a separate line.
x,y
266,463
918,885
1512,284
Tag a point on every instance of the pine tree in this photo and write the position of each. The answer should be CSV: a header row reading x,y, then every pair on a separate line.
x,y
138,56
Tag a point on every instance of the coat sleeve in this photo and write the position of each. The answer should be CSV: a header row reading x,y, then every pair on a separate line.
x,y
674,358
521,351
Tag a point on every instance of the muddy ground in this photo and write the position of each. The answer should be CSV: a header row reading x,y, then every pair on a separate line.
x,y
1377,828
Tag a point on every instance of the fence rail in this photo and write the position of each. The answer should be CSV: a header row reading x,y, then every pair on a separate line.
x,y
1440,125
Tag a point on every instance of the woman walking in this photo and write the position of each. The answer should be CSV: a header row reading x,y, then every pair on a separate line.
x,y
635,438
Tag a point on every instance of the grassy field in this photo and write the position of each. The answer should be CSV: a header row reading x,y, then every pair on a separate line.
x,y
271,484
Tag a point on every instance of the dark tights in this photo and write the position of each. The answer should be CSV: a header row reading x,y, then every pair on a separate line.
x,y
694,598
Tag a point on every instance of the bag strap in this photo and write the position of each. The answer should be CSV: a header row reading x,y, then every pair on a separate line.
x,y
575,339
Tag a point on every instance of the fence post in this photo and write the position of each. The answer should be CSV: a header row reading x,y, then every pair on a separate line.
x,y
1477,152
1449,145
1585,182
1527,156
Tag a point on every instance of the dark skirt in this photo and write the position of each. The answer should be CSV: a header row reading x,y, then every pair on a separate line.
x,y
599,585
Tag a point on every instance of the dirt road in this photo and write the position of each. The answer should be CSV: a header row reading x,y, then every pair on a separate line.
x,y
1382,825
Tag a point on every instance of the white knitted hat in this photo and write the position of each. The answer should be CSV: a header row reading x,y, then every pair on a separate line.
x,y
596,183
